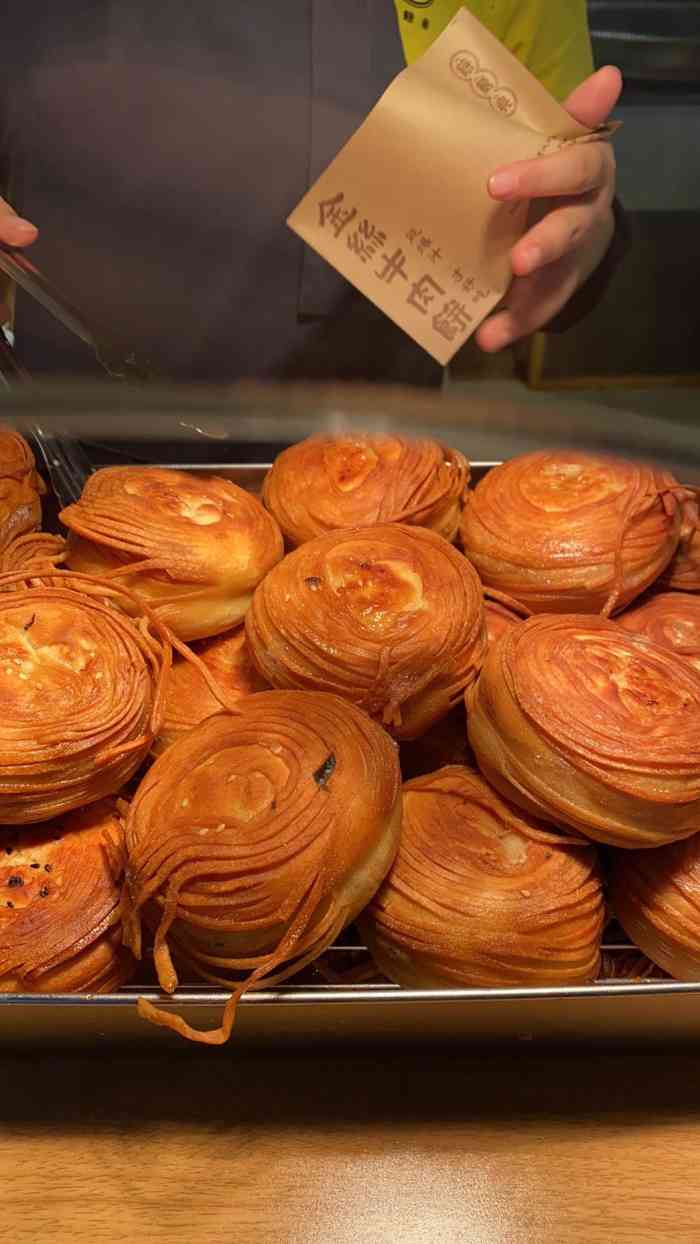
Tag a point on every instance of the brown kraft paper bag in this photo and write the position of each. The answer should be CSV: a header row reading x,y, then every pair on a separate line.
x,y
403,211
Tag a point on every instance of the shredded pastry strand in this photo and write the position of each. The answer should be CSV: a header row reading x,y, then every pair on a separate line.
x,y
655,895
671,620
571,532
60,905
38,551
255,838
500,613
389,617
481,894
683,572
189,698
82,689
21,487
193,547
584,724
326,483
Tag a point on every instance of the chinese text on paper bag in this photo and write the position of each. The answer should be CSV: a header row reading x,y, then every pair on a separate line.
x,y
403,211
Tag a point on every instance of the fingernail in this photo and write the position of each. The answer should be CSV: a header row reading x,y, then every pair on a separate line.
x,y
497,340
531,258
502,340
501,185
20,228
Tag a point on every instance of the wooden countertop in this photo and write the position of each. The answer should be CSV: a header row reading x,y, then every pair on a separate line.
x,y
205,1149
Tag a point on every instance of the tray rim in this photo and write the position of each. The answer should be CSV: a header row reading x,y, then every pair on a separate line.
x,y
363,995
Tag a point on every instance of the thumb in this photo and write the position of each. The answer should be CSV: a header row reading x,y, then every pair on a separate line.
x,y
13,230
593,101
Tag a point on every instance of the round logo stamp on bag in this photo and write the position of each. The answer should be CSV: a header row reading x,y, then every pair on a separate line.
x,y
464,65
484,83
504,101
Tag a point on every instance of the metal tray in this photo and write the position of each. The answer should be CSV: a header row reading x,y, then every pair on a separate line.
x,y
611,1011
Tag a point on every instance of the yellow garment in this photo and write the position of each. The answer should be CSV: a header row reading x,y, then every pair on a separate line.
x,y
549,36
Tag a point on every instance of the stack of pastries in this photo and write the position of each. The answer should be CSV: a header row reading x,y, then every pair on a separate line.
x,y
212,701
21,488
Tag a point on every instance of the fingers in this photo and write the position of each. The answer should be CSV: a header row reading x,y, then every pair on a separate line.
x,y
571,171
576,169
534,299
532,302
560,251
593,101
14,231
560,232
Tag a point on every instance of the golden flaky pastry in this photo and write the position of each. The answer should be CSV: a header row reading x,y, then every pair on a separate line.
x,y
193,547
21,488
683,572
327,483
628,964
390,617
81,688
189,698
500,615
585,725
60,905
656,898
670,619
256,837
481,894
570,532
38,551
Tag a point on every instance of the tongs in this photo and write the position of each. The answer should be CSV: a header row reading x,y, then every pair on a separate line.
x,y
65,462
122,366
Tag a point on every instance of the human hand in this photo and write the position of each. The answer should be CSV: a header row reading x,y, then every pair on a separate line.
x,y
571,218
14,231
